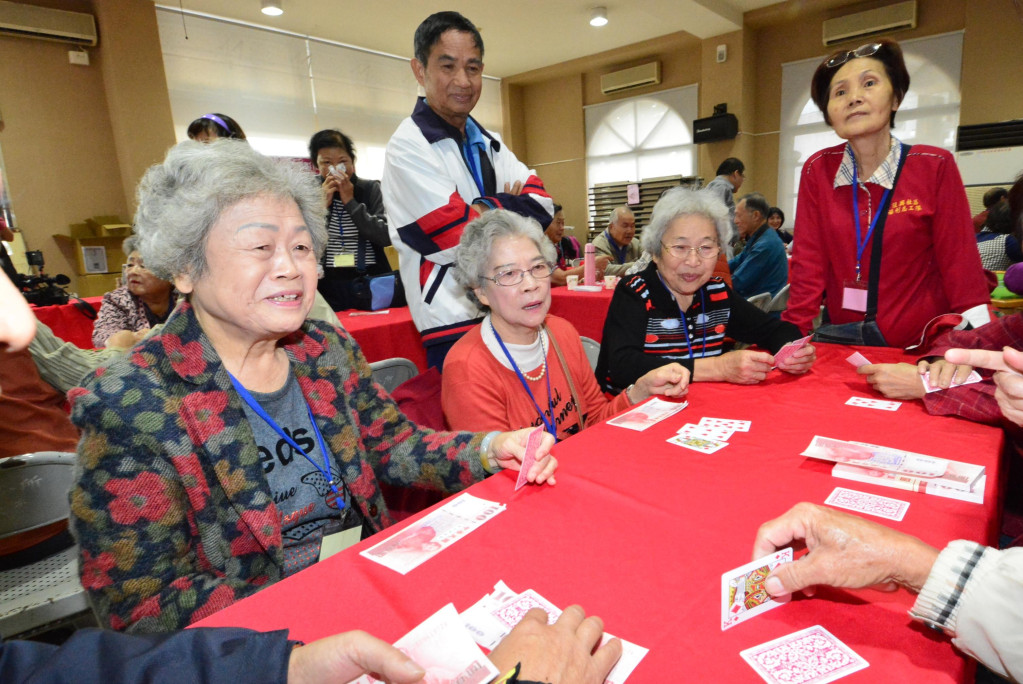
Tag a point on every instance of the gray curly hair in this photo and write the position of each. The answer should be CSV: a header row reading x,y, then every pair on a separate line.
x,y
678,202
181,198
478,240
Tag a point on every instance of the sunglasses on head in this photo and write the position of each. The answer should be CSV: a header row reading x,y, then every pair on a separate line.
x,y
841,58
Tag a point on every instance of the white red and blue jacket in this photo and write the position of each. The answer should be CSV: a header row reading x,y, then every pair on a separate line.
x,y
428,192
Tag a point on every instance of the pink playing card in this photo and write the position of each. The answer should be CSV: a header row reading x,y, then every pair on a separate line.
x,y
513,611
871,504
529,458
790,349
857,359
809,656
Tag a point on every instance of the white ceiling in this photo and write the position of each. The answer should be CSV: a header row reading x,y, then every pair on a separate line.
x,y
519,36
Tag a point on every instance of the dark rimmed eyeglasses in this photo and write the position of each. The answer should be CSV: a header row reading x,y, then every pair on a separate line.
x,y
509,278
868,50
683,251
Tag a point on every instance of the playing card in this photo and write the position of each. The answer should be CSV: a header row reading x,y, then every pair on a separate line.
x,y
742,589
926,378
732,423
809,656
529,458
701,444
511,612
872,504
631,655
790,349
719,434
649,413
857,359
424,539
874,403
442,647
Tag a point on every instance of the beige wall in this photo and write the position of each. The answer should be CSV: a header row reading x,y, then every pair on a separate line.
x,y
65,162
750,80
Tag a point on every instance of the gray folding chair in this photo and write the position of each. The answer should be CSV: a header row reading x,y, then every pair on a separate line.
x,y
761,301
390,373
780,301
34,494
592,349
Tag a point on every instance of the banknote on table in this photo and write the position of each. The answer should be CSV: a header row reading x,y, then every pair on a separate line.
x,y
648,413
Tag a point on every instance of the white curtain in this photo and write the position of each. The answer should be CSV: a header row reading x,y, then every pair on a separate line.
x,y
930,113
282,88
642,137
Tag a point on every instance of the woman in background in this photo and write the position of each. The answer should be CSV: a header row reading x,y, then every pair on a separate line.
x,y
142,301
210,127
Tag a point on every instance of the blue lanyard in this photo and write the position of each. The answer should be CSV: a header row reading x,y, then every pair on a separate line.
x,y
620,252
261,412
861,242
548,424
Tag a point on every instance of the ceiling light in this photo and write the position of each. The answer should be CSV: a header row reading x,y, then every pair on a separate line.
x,y
271,7
598,16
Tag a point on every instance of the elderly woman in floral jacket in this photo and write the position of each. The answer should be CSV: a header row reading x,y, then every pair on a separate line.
x,y
217,455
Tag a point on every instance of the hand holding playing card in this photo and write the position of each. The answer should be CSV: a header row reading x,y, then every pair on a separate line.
x,y
800,361
509,448
1008,365
894,380
560,652
745,367
944,374
843,551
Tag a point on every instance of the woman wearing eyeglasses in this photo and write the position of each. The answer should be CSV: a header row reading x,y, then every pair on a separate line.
x,y
521,367
885,235
677,311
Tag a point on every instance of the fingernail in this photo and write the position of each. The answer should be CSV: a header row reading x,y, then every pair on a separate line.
x,y
774,586
412,668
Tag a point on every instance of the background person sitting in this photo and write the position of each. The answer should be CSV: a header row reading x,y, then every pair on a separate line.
x,y
618,242
776,219
128,312
762,265
204,455
215,126
676,311
991,198
567,249
999,241
533,367
356,222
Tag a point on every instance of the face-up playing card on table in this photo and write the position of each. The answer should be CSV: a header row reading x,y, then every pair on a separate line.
x,y
790,349
742,590
704,445
718,434
880,404
529,458
970,379
809,656
872,504
729,423
857,359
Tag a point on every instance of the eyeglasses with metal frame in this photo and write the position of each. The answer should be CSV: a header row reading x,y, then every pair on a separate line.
x,y
509,278
683,251
867,50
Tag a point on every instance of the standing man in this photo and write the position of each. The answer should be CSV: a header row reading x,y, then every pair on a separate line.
x,y
442,169
730,175
762,265
619,241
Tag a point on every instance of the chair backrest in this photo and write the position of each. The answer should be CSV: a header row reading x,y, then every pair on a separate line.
x,y
592,349
34,490
781,300
761,301
390,373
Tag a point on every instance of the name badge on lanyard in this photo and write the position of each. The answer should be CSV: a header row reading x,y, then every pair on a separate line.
x,y
338,538
854,294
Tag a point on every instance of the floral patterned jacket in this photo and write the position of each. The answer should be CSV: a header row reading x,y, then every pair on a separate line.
x,y
171,507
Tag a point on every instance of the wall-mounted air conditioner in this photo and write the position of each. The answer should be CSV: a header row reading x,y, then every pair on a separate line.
x,y
29,21
901,15
990,154
626,79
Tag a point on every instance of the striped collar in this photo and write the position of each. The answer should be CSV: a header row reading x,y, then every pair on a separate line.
x,y
884,175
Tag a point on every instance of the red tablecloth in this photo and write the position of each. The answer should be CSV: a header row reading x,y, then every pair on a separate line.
x,y
639,532
385,335
68,322
585,310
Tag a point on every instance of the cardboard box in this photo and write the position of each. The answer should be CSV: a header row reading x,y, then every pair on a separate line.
x,y
108,226
95,285
71,247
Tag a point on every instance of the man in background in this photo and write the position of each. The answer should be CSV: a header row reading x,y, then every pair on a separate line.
x,y
619,242
762,265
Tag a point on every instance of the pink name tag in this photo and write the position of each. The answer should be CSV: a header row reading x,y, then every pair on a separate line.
x,y
854,299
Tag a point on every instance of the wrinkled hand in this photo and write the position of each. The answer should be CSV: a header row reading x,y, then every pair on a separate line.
x,y
560,652
894,380
843,551
331,185
1008,378
508,448
800,362
346,656
671,380
945,374
744,367
123,339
